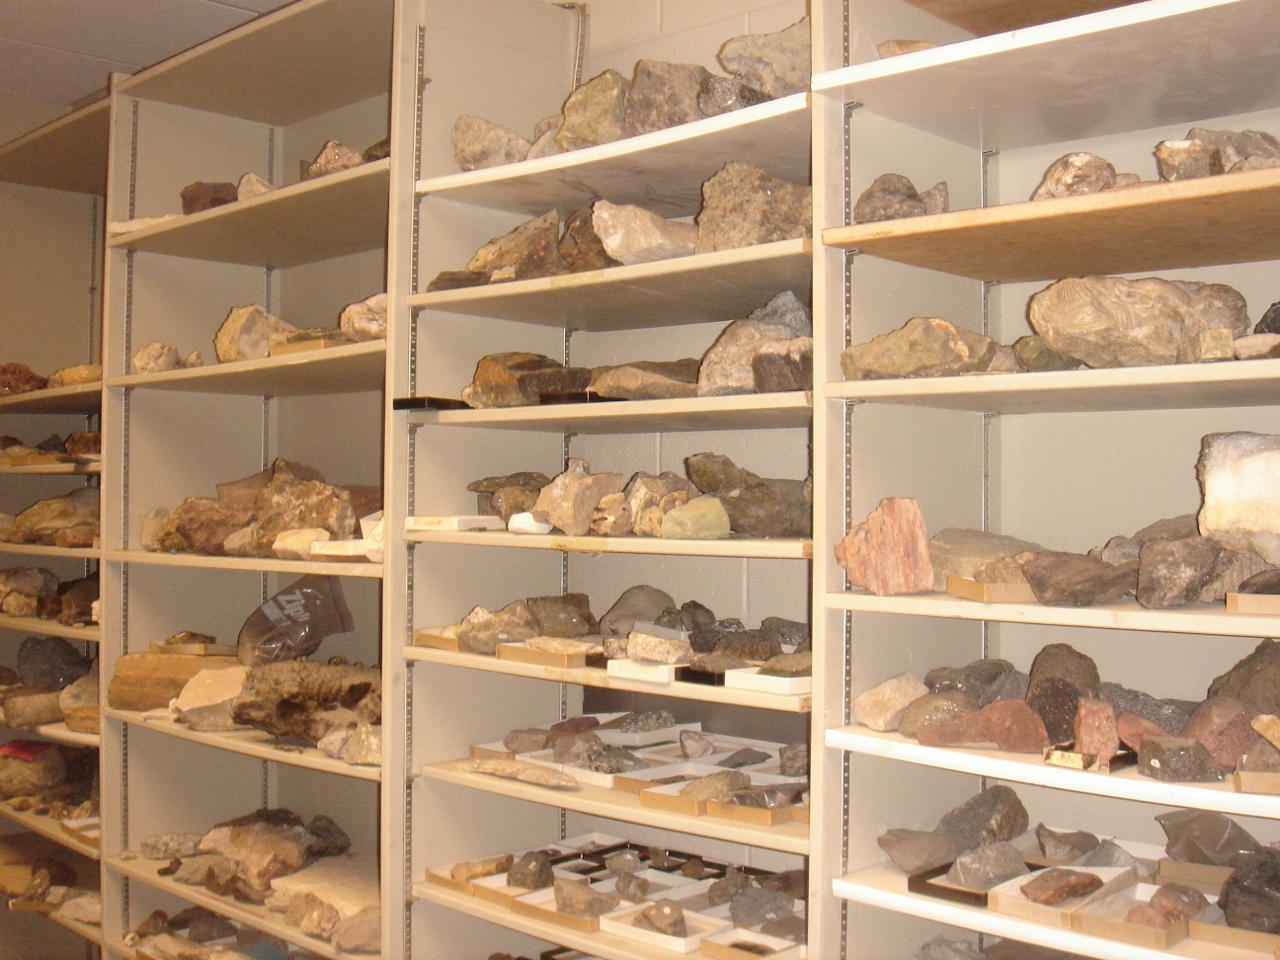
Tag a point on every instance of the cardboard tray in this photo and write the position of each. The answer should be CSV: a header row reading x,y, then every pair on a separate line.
x,y
1007,898
748,678
723,747
640,780
620,922
1105,918
1234,937
1204,877
668,797
1247,781
990,592
431,637
520,653
661,884
541,905
196,649
761,816
722,946
1263,603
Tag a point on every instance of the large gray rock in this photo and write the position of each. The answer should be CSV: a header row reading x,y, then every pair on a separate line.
x,y
641,602
778,64
892,196
922,347
960,552
595,112
1255,680
757,507
477,143
728,366
743,206
663,95
1236,147
1114,322
634,235
1171,573
1238,475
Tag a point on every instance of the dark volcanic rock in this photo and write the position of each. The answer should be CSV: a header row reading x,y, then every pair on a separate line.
x,y
457,279
784,631
993,815
1251,896
1065,662
1171,573
1078,580
757,507
1177,760
1270,322
1057,701
1165,714
1255,679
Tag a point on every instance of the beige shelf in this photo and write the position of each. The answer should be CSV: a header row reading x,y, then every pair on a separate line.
x,y
346,369
251,743
1211,619
661,171
117,948
262,564
69,153
1159,226
37,550
601,944
307,59
596,677
52,829
54,469
315,220
1126,784
885,887
759,411
91,932
703,288
780,549
791,837
89,633
996,16
59,733
1236,383
82,398
260,918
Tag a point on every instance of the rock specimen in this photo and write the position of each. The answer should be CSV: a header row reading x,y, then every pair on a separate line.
x,y
1177,760
663,916
1133,729
1172,573
80,373
777,64
987,866
779,329
205,702
18,378
1255,680
160,357
146,681
1075,174
1187,159
580,247
888,553
960,552
743,206
1176,902
643,646
27,768
333,157
994,815
1237,473
302,699
530,250
200,196
251,185
272,843
719,95
365,319
1114,322
714,785
1057,702
41,521
248,333
896,48
50,662
579,899
935,708
1064,662
1012,725
1035,356
757,507
1222,724
1236,149
1251,896
631,234
641,602
569,500
1064,845
478,144
752,906
1078,580
594,113
892,196
79,703
534,773
922,347
531,872
662,95
647,380
1095,731
882,707
566,616
289,501
1058,884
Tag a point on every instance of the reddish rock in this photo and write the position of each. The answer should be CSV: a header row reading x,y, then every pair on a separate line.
x,y
1146,916
1132,729
1096,731
580,247
1176,902
1222,725
1010,724
888,553
1078,580
18,378
1058,884
204,196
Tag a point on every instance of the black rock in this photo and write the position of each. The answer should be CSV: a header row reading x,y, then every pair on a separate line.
x,y
1251,896
1270,322
1176,760
1268,581
994,814
789,632
1166,714
1057,701
746,757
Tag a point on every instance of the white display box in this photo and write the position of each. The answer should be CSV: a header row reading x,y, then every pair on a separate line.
x,y
639,670
620,923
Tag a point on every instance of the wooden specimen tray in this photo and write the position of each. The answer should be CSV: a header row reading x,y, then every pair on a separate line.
x,y
429,638
1008,899
1263,603
990,592
1204,877
1105,918
303,346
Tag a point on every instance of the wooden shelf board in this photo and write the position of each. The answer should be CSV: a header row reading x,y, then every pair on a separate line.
x,y
1044,84
251,743
780,549
983,17
116,948
59,733
69,153
1126,784
52,829
54,469
346,369
263,564
91,932
38,550
89,633
307,222
703,288
1238,383
281,67
661,171
82,398
885,887
758,411
597,677
607,946
258,917
1158,226
1211,619
791,837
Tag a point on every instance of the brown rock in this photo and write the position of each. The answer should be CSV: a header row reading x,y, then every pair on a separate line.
x,y
201,525
1012,725
892,196
1133,729
578,899
520,379
595,112
1255,680
1171,573
1070,845
563,616
935,708
146,681
1187,159
1177,760
883,706
888,553
288,502
665,917
569,500
1035,356
76,601
743,206
1058,884
580,247
782,366
458,279
719,95
757,507
81,443
1075,174
778,64
204,196
1222,725
1065,662
922,347
333,157
1096,732
478,144
18,378
482,631
781,328
1077,580
663,95
1176,902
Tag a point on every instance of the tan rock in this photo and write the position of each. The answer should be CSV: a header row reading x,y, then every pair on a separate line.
x,y
71,376
1187,159
334,157
1256,346
743,206
148,681
248,333
922,347
205,700
30,706
478,144
1004,570
365,319
883,706
594,113
531,249
631,234
1075,174
43,519
702,518
896,48
960,552
569,501
296,544
888,553
1208,346
612,516
251,185
521,770
778,64
79,703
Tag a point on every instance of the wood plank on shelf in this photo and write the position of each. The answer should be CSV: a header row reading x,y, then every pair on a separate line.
x,y
779,549
597,677
52,829
264,564
1205,618
1126,784
661,171
1156,226
703,288
603,944
89,633
982,17
885,887
1237,383
345,369
258,917
69,153
60,733
53,469
39,550
1044,84
279,68
250,742
81,398
757,411
331,216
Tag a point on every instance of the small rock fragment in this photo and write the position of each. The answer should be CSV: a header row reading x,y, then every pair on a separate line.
x,y
1058,884
251,185
714,785
1177,760
896,48
1187,159
1095,731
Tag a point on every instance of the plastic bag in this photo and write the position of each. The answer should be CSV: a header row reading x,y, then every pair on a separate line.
x,y
293,623
1198,836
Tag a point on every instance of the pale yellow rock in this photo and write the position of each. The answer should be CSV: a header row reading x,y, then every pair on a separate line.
x,y
46,517
1269,726
702,518
205,701
247,334
71,376
520,770
348,883
251,185
1256,345
561,645
881,708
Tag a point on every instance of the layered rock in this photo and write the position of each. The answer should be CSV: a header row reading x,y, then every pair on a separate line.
x,y
962,553
888,553
647,380
41,522
520,379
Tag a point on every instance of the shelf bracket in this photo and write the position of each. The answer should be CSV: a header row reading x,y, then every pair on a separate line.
x,y
580,41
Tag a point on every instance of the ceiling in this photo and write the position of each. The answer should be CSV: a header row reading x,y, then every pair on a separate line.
x,y
58,51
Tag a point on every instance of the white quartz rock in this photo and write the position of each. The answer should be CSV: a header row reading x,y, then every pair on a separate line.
x,y
85,908
634,235
365,319
157,357
364,746
205,702
525,523
1239,476
251,185
247,334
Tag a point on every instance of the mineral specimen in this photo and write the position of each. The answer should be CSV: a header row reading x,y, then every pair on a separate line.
x,y
632,235
1251,896
728,367
1187,159
778,64
719,95
662,95
160,357
1236,473
594,113
702,518
251,185
18,378
248,334
1222,725
1078,580
643,646
752,906
200,196
743,206
1074,174
205,702
569,500
923,347
80,373
888,553
647,380
1096,733
714,785
1177,902
579,899
1058,884
757,507
333,158
987,866
1177,760
523,771
892,196
1058,845
1012,725
365,319
568,615
883,706
641,602
531,872
580,246
961,552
